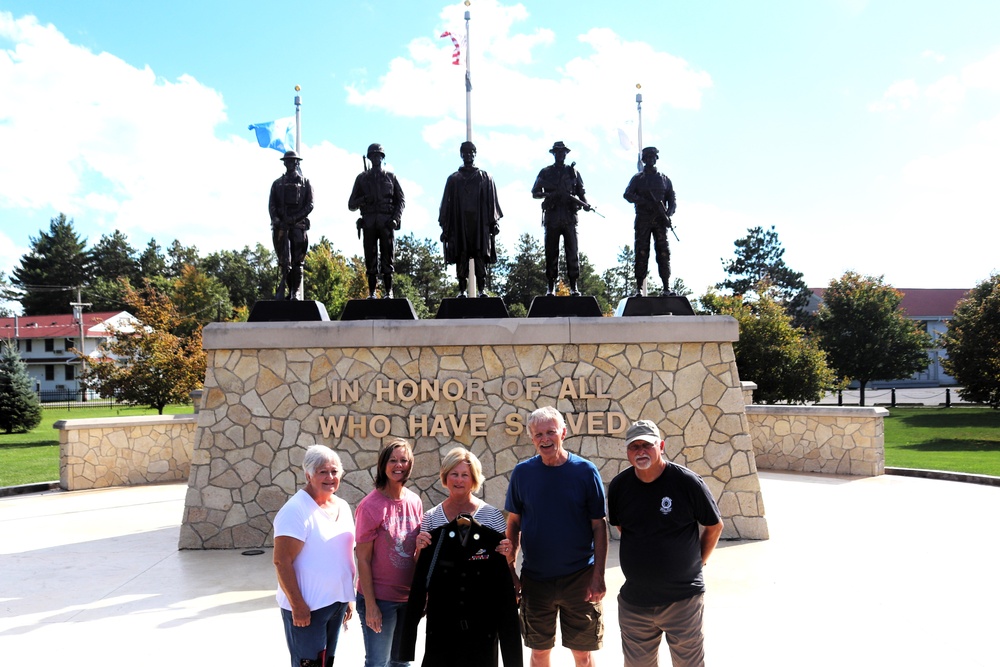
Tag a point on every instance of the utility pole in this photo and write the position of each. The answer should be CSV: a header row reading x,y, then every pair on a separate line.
x,y
78,307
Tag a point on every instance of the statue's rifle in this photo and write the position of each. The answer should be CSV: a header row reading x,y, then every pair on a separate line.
x,y
663,210
360,223
576,200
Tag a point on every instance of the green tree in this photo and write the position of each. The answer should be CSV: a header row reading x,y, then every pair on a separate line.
x,y
760,261
20,410
787,365
55,265
327,277
199,299
525,277
590,283
620,279
152,263
423,263
113,258
973,344
179,256
148,364
248,274
865,334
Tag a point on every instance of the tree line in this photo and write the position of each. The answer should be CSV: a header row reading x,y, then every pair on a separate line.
x,y
793,353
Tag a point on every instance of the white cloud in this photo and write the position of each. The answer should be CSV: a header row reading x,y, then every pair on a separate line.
x,y
899,95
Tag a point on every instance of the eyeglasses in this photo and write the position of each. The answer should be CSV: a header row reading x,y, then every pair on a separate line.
x,y
640,445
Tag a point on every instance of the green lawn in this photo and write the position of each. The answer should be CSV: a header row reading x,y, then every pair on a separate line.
x,y
26,458
955,439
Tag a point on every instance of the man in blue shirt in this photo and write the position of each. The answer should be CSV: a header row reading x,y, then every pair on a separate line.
x,y
556,506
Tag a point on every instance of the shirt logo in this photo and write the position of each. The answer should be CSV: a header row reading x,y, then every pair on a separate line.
x,y
666,505
480,555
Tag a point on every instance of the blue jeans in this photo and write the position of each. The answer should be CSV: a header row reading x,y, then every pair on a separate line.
x,y
379,646
322,632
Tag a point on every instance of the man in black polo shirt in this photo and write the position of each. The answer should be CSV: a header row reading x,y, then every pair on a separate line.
x,y
658,507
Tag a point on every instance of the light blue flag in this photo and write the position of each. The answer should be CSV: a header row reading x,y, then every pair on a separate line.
x,y
277,134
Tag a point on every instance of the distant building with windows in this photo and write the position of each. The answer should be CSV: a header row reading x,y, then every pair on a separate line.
x,y
45,343
931,309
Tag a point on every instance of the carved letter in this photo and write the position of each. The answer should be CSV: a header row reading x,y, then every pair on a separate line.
x,y
567,390
514,424
575,421
380,426
477,424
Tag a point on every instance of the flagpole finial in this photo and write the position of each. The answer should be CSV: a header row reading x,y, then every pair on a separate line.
x,y
298,88
468,3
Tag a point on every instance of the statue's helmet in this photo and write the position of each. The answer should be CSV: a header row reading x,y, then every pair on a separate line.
x,y
291,155
468,144
376,149
559,146
651,150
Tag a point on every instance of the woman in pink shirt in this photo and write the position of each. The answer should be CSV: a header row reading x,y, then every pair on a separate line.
x,y
387,521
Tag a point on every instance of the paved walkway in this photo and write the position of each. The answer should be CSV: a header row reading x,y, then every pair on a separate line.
x,y
881,571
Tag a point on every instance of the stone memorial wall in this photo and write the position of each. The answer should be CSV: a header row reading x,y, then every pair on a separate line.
x,y
273,389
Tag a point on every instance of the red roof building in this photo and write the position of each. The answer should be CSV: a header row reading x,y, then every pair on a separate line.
x,y
45,343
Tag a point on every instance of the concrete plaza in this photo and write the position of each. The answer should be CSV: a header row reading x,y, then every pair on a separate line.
x,y
873,571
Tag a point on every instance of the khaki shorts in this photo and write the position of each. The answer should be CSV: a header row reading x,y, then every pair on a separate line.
x,y
580,622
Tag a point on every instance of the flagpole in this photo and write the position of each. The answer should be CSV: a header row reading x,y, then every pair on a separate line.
x,y
468,79
472,286
298,121
638,106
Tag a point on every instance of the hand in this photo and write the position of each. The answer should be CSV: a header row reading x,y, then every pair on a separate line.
x,y
373,616
496,229
301,616
396,224
596,590
505,547
444,237
423,541
349,614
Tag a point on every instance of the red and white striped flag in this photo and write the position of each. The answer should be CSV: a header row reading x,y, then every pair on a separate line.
x,y
457,52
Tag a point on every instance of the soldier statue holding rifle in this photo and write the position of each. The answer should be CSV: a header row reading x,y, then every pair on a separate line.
x,y
560,186
378,195
652,193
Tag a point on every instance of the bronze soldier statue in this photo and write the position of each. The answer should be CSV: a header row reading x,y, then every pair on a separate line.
x,y
468,218
560,186
377,193
653,196
290,204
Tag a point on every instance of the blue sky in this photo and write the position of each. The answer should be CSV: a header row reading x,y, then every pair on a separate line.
x,y
866,132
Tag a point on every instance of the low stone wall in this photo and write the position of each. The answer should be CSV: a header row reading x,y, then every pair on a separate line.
x,y
833,440
98,453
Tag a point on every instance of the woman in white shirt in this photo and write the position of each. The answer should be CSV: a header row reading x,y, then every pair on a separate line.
x,y
314,559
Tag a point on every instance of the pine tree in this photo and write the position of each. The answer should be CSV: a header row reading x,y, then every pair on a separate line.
x,y
20,409
56,264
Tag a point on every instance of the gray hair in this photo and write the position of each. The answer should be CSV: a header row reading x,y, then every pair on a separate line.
x,y
316,456
546,412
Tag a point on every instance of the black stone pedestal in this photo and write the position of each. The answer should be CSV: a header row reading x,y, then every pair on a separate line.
x,y
641,306
472,308
288,311
564,306
378,309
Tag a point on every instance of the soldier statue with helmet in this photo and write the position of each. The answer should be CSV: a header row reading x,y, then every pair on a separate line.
x,y
380,199
652,193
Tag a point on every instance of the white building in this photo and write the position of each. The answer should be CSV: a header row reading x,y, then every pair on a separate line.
x,y
45,343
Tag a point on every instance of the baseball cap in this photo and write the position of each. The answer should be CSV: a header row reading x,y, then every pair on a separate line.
x,y
643,429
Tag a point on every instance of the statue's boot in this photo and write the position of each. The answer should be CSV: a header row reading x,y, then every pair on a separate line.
x,y
573,291
552,288
387,285
372,280
463,285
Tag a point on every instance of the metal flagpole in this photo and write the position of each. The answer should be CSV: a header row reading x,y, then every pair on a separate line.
x,y
298,121
298,150
468,79
472,286
638,106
